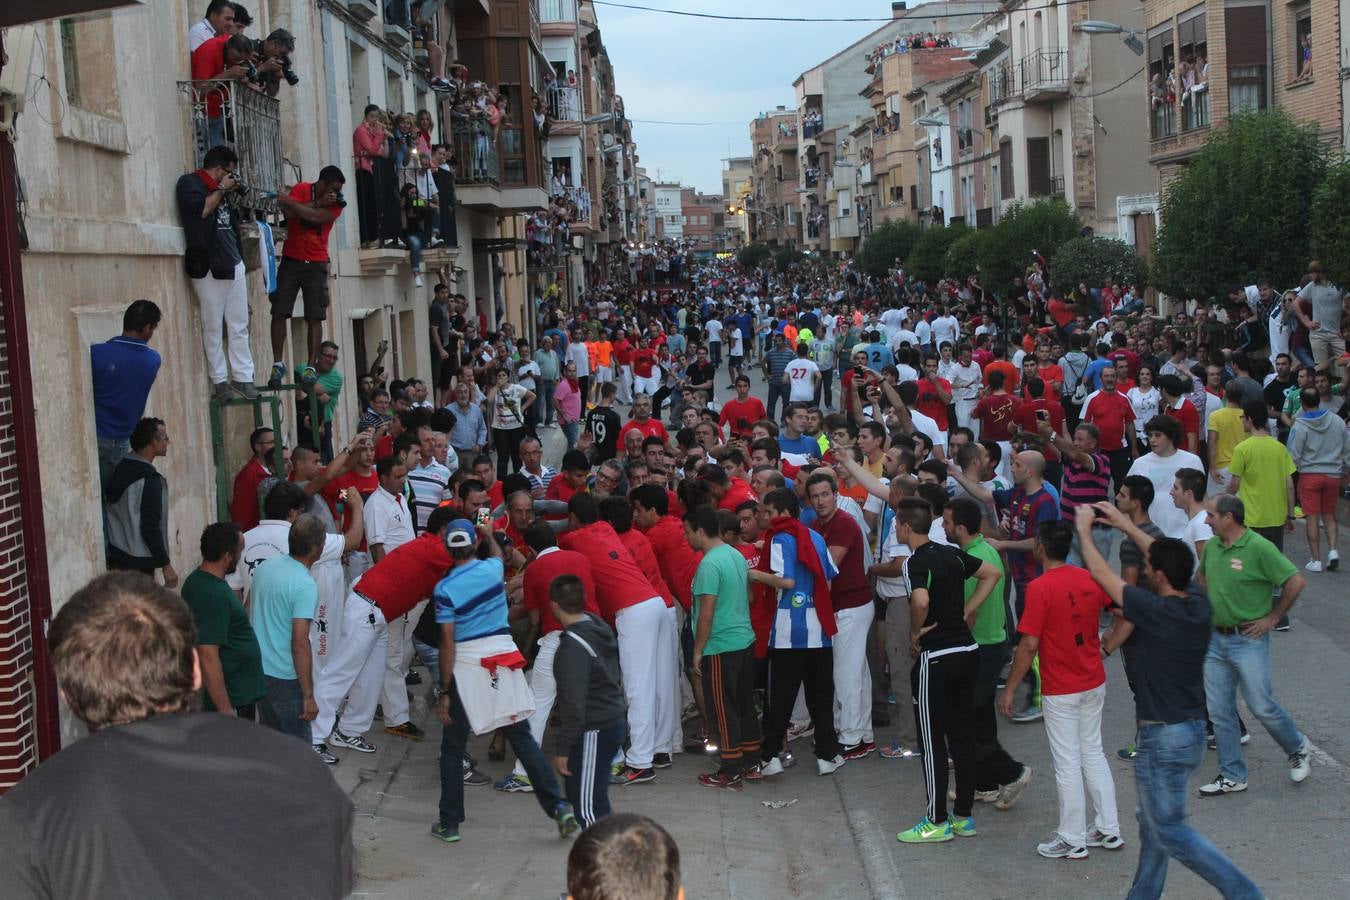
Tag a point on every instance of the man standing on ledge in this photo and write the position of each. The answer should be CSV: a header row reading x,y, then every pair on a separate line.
x,y
311,210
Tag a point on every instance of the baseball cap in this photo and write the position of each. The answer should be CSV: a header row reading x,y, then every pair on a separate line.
x,y
460,533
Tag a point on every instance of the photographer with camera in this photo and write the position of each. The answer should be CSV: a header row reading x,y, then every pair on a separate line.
x,y
216,268
272,62
225,57
311,209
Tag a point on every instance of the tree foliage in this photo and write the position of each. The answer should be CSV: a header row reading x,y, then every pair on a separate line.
x,y
1041,226
752,256
1096,261
887,243
1242,208
928,258
963,256
784,258
1331,224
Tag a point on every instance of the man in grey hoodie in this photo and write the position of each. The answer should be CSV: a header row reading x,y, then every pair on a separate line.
x,y
1321,450
137,500
592,715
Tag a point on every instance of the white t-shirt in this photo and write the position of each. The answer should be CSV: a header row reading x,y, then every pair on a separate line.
x,y
946,328
526,373
199,34
1197,530
924,332
737,343
269,538
929,426
1145,405
1162,472
508,407
388,520
903,336
713,328
801,375
577,353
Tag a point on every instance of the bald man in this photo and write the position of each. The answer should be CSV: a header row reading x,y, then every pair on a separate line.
x,y
1021,511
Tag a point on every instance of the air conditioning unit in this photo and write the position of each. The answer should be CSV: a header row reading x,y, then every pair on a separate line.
x,y
19,43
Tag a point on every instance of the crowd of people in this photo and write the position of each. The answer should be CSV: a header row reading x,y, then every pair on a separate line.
x,y
947,504
904,43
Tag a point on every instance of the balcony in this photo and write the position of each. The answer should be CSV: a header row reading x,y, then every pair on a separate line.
x,y
581,199
564,104
476,157
397,23
362,10
1045,76
1002,85
1195,110
1163,121
249,122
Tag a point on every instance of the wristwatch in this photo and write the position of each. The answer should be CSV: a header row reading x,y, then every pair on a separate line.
x,y
439,691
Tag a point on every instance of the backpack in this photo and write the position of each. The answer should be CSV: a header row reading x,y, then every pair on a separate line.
x,y
1080,391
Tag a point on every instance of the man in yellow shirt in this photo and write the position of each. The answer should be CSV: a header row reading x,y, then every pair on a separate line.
x,y
1225,433
1263,479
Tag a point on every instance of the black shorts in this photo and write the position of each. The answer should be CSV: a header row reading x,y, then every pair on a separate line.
x,y
294,277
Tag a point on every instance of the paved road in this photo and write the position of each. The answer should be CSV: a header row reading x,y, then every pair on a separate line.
x,y
838,839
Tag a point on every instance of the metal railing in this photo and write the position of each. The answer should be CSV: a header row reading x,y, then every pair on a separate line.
x,y
1001,83
1195,110
249,121
564,103
1163,120
582,198
476,156
1045,69
1056,185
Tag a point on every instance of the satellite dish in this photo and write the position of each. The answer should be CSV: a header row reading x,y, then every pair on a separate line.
x,y
606,140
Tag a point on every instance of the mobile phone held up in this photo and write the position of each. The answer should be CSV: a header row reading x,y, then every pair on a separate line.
x,y
481,518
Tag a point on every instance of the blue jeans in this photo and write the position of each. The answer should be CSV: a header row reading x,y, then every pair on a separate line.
x,y
546,389
281,707
453,739
414,242
1168,756
715,353
777,391
572,431
1234,662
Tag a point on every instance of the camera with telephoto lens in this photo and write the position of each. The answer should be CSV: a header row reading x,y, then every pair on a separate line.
x,y
339,201
288,73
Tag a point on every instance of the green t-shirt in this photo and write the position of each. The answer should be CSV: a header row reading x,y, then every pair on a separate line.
x,y
725,574
1263,464
222,622
990,618
1241,576
331,382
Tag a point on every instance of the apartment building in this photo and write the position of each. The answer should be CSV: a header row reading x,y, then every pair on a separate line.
x,y
1239,56
772,209
109,127
736,187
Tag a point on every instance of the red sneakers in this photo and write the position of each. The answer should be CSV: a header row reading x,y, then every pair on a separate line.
x,y
722,780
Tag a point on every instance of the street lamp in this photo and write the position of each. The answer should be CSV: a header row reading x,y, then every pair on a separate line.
x,y
1131,39
930,122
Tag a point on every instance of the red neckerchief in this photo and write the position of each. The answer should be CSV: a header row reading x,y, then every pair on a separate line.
x,y
211,183
806,555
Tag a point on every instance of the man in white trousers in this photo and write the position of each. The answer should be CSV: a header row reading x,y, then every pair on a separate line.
x,y
549,562
389,525
638,615
215,266
386,592
851,595
1060,622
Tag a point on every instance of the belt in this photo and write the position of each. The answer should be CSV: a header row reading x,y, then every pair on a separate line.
x,y
1142,722
365,598
1228,629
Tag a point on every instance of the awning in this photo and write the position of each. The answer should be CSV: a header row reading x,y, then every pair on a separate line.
x,y
17,12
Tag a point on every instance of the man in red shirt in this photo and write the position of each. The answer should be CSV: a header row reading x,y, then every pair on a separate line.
x,y
1049,371
1112,413
848,387
934,394
355,670
638,615
1059,623
1028,418
220,58
727,492
851,595
642,421
624,351
573,472
742,413
1177,405
994,412
244,510
549,561
362,477
311,210
644,369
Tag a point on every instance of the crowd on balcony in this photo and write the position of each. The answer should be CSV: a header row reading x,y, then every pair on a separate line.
x,y
813,121
904,43
1187,82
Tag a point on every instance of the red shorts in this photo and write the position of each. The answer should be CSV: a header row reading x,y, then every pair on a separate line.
x,y
1317,494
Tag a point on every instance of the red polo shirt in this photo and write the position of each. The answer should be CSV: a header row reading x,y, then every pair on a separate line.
x,y
208,61
737,493
540,573
305,242
649,428
850,587
678,560
1112,414
405,577
641,548
619,583
244,510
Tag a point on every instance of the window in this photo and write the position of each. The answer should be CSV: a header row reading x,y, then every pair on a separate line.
x,y
68,58
1161,95
1191,79
88,66
1246,40
845,203
1302,49
1005,170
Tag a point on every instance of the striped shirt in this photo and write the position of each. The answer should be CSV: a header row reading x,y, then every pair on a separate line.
x,y
429,489
1081,486
796,626
473,599
777,361
539,483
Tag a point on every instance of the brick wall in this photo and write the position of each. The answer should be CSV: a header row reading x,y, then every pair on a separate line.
x,y
18,729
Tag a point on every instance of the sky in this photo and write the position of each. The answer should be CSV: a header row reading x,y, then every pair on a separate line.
x,y
679,69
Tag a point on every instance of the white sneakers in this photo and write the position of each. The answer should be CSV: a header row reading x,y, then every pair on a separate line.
x,y
417,279
1333,563
829,766
1300,763
772,767
1313,565
1220,786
